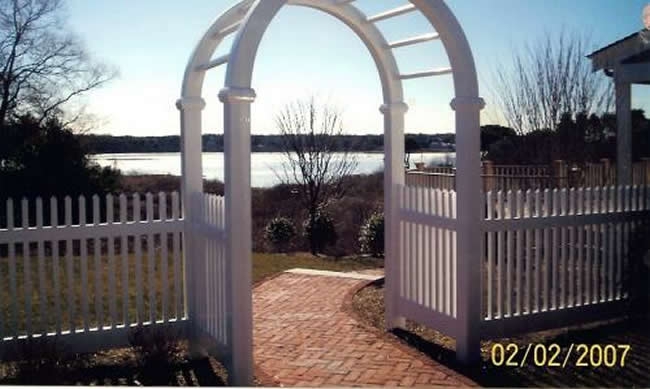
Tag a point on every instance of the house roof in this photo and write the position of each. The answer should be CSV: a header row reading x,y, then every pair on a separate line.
x,y
631,49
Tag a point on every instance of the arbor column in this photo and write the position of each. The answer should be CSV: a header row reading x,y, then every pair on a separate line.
x,y
393,176
191,188
469,210
237,140
623,131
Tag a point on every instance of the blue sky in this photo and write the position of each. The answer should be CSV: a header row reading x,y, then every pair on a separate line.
x,y
306,52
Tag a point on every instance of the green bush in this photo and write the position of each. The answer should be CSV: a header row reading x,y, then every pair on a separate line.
x,y
371,237
319,231
279,232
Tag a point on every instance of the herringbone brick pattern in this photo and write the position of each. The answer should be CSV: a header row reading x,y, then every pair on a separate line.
x,y
303,337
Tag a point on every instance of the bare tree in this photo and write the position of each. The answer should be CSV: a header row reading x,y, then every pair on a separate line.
x,y
314,159
43,66
548,79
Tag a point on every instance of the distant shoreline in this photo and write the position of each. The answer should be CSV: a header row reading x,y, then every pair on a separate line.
x,y
271,152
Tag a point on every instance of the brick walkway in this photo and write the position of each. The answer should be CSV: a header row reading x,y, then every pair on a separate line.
x,y
304,337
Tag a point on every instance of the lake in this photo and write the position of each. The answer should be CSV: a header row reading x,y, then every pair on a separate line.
x,y
263,165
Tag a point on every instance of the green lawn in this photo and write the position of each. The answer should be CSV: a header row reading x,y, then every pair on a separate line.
x,y
264,265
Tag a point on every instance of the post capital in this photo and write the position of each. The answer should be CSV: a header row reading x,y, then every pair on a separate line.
x,y
394,108
461,103
237,95
190,103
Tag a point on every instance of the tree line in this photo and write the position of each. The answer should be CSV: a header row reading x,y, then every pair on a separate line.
x,y
102,144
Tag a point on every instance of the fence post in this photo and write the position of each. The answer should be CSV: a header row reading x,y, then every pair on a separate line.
x,y
469,217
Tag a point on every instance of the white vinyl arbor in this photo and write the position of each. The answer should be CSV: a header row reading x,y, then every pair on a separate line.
x,y
249,20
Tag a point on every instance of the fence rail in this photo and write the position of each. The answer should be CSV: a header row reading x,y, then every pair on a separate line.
x,y
118,265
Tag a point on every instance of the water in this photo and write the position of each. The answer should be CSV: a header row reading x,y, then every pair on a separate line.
x,y
263,165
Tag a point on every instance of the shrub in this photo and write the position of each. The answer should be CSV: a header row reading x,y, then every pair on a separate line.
x,y
371,237
319,230
279,232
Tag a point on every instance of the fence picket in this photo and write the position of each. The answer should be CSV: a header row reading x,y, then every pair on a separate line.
x,y
177,260
69,265
27,269
54,221
563,268
490,257
446,257
519,284
13,290
547,251
589,279
41,270
598,255
529,256
454,259
151,257
137,241
112,296
83,221
500,257
124,254
99,291
510,257
538,254
579,297
434,250
162,202
419,256
612,245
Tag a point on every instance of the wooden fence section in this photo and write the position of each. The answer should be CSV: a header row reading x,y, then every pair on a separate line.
x,y
524,177
118,266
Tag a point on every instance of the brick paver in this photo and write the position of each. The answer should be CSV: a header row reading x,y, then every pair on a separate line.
x,y
304,337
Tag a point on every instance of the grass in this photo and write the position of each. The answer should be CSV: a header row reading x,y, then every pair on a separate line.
x,y
369,305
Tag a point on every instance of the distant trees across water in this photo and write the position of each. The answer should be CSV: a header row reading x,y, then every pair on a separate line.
x,y
103,144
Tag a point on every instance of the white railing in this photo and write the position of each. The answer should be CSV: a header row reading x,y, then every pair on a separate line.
x,y
551,258
91,272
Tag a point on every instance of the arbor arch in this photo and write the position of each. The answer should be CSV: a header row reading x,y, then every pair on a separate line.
x,y
249,20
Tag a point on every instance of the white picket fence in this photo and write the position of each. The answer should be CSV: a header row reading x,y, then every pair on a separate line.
x,y
208,277
551,258
89,280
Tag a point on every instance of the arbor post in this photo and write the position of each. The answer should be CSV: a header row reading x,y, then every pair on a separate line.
x,y
239,306
469,208
191,187
393,178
